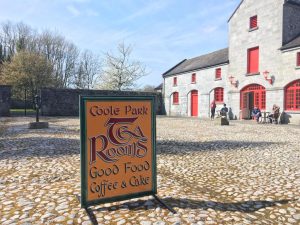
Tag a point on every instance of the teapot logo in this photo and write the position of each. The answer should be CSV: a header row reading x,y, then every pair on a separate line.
x,y
127,140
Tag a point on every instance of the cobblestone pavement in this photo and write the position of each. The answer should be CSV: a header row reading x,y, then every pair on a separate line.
x,y
245,173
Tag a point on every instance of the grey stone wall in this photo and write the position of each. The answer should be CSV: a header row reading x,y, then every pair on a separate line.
x,y
291,22
65,102
268,37
205,85
5,100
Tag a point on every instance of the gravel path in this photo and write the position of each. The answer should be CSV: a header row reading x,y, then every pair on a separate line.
x,y
245,173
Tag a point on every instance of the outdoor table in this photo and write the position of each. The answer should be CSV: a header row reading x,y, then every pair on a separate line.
x,y
265,116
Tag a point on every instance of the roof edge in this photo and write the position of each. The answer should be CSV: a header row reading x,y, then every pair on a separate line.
x,y
159,87
200,68
173,67
285,48
290,48
235,11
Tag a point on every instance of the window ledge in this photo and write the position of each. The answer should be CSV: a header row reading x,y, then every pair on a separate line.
x,y
175,103
297,68
216,79
174,85
253,29
252,74
193,82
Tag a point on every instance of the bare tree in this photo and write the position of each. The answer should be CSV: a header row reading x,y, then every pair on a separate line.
x,y
120,72
88,71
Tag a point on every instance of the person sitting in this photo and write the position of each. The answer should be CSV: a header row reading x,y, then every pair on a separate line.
x,y
256,113
224,111
275,114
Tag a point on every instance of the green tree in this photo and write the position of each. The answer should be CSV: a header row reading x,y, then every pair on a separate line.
x,y
28,71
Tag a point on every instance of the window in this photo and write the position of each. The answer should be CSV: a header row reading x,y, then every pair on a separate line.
x,y
175,98
193,78
253,60
218,73
175,81
253,22
219,95
292,96
298,59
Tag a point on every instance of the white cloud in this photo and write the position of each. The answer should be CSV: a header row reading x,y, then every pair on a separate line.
x,y
148,9
73,10
90,12
76,1
87,12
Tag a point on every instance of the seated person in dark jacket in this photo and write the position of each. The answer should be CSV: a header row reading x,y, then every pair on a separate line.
x,y
256,113
224,111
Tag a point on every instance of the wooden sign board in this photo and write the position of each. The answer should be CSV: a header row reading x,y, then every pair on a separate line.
x,y
118,158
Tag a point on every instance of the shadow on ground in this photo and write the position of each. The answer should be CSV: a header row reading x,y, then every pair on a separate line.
x,y
182,147
246,206
46,146
39,147
52,147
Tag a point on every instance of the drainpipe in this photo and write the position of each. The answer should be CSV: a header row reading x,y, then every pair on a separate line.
x,y
187,104
209,104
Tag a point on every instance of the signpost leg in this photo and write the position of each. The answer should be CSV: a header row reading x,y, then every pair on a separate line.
x,y
91,216
164,204
90,213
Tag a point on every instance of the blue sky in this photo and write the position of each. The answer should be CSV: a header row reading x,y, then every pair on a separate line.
x,y
162,32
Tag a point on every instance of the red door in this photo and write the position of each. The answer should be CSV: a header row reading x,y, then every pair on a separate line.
x,y
194,103
253,60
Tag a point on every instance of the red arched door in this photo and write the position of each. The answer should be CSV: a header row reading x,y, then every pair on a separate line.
x,y
251,96
292,96
194,103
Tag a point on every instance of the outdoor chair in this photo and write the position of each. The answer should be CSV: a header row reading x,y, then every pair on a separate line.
x,y
218,113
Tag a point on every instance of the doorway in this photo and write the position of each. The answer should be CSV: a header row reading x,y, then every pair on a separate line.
x,y
251,96
194,103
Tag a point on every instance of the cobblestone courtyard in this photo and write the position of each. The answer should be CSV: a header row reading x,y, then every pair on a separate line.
x,y
245,173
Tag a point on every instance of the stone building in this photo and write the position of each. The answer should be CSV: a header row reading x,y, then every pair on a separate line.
x,y
261,66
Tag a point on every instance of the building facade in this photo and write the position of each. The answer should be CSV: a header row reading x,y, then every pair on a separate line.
x,y
261,66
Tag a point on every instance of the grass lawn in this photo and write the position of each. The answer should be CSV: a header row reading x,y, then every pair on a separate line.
x,y
22,111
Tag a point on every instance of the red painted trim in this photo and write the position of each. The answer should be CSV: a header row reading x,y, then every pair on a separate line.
x,y
174,81
253,22
259,96
292,96
218,73
253,60
175,98
194,103
298,59
219,95
193,78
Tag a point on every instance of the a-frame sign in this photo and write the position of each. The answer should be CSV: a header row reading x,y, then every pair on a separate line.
x,y
118,158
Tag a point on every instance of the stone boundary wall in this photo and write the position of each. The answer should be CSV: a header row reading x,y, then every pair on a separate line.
x,y
20,104
5,100
65,102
